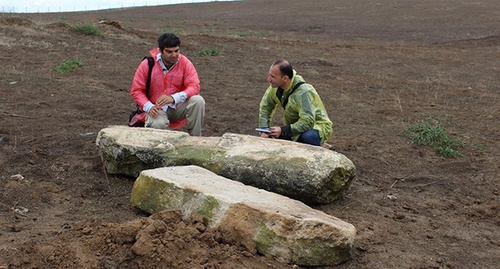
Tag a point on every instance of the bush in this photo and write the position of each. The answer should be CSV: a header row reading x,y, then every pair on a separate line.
x,y
68,65
423,133
87,29
208,52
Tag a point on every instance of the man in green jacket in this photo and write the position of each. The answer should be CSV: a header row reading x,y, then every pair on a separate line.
x,y
305,117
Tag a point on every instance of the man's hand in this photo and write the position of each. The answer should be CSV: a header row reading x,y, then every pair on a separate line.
x,y
154,111
275,131
265,135
164,100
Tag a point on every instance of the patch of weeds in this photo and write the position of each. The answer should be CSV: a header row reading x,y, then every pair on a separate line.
x,y
68,65
424,133
240,34
167,26
62,19
208,52
87,29
173,31
478,145
206,31
260,33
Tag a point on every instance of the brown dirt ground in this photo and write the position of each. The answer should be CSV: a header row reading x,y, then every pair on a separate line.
x,y
379,66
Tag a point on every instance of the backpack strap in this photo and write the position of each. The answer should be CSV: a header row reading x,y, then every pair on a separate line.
x,y
294,88
151,64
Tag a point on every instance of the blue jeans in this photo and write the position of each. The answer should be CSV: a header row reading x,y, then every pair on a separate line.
x,y
308,137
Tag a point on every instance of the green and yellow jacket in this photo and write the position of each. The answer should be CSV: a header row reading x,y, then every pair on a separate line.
x,y
304,110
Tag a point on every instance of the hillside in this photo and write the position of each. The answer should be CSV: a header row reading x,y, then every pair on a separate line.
x,y
379,67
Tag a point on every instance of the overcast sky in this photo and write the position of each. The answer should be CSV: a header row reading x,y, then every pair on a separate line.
x,y
31,6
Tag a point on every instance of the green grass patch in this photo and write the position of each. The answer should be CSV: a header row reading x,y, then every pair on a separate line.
x,y
68,65
425,133
174,31
480,146
208,52
240,34
62,19
87,29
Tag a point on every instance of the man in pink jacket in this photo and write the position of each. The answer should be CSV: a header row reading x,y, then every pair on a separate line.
x,y
174,89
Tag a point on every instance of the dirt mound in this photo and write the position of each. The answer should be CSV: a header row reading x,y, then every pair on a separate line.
x,y
16,21
57,26
163,240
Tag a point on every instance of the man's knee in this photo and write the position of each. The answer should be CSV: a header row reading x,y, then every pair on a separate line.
x,y
158,125
310,137
197,100
160,122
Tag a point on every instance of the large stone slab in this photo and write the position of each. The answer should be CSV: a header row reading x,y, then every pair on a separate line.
x,y
311,174
266,222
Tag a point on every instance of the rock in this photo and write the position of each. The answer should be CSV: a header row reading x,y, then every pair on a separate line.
x,y
17,176
266,222
311,174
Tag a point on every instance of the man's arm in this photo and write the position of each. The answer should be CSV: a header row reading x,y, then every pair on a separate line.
x,y
267,108
306,108
190,83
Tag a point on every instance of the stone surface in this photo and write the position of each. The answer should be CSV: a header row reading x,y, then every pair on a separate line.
x,y
311,174
266,222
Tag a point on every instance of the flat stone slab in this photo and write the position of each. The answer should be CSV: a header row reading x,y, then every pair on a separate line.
x,y
311,174
266,222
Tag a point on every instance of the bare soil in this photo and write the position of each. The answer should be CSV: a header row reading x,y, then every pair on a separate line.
x,y
379,66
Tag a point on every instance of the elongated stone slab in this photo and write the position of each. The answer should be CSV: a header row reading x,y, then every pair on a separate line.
x,y
266,222
311,174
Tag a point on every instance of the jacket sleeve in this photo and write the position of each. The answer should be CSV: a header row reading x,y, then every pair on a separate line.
x,y
191,80
138,90
266,109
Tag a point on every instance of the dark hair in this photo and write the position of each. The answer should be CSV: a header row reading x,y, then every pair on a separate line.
x,y
286,68
168,40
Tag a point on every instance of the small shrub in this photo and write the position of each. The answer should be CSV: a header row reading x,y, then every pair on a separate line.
x,y
87,29
68,65
208,52
423,133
